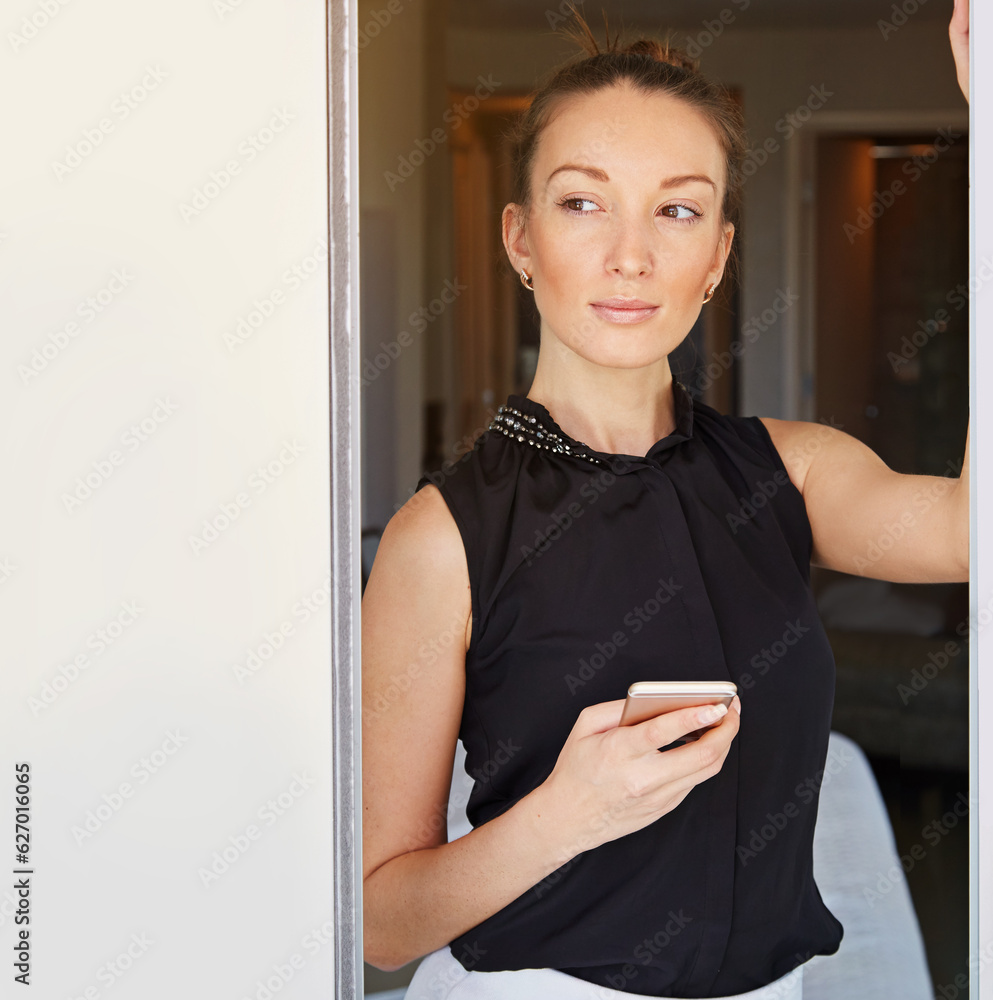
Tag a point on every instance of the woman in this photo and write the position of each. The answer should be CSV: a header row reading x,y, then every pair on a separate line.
x,y
597,535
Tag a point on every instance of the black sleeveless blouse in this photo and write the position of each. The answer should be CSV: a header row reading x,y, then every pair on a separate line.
x,y
590,571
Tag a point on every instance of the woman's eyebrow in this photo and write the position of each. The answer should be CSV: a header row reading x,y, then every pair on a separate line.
x,y
595,172
601,175
686,179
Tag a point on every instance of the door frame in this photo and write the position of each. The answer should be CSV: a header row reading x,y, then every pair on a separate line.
x,y
346,500
798,343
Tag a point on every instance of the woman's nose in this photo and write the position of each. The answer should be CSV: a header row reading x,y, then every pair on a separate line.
x,y
631,253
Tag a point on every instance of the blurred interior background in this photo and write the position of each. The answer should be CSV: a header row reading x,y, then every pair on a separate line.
x,y
852,307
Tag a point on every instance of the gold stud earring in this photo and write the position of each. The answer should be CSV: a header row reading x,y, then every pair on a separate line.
x,y
526,280
710,294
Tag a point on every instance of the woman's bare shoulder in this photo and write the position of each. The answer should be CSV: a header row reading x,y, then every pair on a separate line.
x,y
421,549
425,513
424,530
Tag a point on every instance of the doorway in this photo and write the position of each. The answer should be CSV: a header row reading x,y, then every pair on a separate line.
x,y
886,354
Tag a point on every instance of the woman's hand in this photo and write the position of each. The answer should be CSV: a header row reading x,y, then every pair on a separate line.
x,y
611,780
958,34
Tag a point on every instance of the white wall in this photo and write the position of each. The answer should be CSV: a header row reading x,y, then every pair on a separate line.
x,y
165,494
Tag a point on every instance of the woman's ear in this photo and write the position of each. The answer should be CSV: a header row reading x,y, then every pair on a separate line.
x,y
515,238
721,255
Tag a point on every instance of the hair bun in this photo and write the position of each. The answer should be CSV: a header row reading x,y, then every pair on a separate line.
x,y
662,52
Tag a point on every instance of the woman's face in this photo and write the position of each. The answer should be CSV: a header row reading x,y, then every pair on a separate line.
x,y
626,199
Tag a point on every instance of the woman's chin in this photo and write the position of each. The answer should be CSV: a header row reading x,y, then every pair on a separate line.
x,y
627,346
624,360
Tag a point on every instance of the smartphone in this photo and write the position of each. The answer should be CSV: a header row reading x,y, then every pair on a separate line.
x,y
646,699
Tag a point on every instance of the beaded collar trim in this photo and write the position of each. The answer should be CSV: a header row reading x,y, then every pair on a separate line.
x,y
529,429
524,427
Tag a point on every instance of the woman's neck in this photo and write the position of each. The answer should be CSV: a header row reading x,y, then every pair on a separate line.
x,y
621,411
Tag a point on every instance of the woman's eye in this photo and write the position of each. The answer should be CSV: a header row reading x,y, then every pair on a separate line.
x,y
576,204
680,212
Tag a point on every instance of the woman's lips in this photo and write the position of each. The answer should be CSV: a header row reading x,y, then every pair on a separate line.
x,y
624,310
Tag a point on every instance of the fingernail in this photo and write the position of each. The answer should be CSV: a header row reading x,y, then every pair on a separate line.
x,y
712,713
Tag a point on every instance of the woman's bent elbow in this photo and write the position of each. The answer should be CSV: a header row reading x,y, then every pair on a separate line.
x,y
381,956
381,947
382,964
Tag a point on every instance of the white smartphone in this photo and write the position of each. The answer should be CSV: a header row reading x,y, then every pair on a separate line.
x,y
646,699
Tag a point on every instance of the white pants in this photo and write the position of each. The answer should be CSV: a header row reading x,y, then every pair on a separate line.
x,y
440,976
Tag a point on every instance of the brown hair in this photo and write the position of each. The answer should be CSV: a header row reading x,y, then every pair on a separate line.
x,y
651,66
